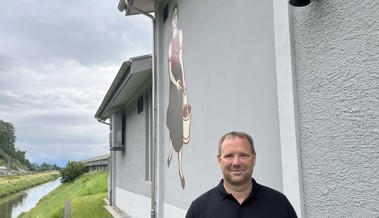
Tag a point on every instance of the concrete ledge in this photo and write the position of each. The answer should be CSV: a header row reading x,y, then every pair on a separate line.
x,y
114,211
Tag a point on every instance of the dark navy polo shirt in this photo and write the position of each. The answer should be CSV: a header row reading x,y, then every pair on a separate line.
x,y
262,202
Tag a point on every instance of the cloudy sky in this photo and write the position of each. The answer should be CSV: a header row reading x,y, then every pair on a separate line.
x,y
57,61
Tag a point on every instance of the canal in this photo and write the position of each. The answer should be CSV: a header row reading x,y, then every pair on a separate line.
x,y
13,205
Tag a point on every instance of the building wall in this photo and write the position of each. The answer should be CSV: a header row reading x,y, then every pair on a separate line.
x,y
130,178
336,46
229,61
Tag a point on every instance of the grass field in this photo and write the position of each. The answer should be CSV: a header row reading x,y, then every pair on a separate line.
x,y
15,183
86,196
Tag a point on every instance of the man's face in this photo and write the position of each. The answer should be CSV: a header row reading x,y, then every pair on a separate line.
x,y
236,161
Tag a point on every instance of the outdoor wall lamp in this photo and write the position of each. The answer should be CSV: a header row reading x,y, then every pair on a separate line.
x,y
299,3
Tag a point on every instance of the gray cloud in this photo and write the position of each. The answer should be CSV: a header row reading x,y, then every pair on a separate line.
x,y
57,61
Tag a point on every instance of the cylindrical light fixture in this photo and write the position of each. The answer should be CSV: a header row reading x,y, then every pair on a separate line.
x,y
299,3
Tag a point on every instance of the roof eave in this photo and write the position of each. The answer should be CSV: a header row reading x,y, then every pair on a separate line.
x,y
125,67
147,6
131,76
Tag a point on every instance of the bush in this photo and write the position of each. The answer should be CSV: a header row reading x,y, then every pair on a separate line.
x,y
72,171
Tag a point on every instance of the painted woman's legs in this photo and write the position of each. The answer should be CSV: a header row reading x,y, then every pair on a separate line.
x,y
182,180
170,154
180,162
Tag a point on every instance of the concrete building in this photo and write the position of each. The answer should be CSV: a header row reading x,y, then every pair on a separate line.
x,y
303,81
98,163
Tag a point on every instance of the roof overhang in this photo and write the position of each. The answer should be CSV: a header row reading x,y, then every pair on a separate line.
x,y
143,5
132,75
97,158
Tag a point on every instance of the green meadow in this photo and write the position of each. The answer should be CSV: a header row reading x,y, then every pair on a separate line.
x,y
86,196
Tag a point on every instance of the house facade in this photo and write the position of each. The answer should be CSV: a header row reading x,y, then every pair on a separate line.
x,y
303,81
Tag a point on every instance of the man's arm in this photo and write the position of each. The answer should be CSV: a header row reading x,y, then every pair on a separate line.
x,y
190,212
291,211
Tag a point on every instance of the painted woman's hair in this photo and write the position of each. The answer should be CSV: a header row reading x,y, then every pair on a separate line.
x,y
173,9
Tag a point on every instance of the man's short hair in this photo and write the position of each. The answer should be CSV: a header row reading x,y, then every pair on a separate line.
x,y
239,135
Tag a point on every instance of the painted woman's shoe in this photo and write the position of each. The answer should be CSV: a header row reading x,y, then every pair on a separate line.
x,y
182,180
169,159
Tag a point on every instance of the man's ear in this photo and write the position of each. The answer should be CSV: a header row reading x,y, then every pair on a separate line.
x,y
254,159
219,160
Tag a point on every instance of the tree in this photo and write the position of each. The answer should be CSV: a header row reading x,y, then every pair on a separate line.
x,y
7,138
72,171
35,167
45,167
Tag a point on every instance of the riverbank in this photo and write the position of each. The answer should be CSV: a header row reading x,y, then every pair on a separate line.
x,y
15,183
85,196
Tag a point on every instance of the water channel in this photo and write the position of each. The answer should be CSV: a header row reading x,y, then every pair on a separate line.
x,y
13,205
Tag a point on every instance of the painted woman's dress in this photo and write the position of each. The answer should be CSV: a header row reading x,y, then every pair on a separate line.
x,y
174,119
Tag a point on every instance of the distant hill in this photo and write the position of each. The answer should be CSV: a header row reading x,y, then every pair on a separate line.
x,y
11,157
14,159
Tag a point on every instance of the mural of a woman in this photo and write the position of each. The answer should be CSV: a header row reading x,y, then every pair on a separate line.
x,y
177,89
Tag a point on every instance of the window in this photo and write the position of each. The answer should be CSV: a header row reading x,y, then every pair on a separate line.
x,y
165,13
140,104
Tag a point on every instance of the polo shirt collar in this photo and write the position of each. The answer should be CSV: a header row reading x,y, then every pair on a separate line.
x,y
222,194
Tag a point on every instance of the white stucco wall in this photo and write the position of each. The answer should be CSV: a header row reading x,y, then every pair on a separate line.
x,y
337,71
135,205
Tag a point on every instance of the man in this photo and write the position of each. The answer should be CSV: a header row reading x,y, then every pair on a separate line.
x,y
238,195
